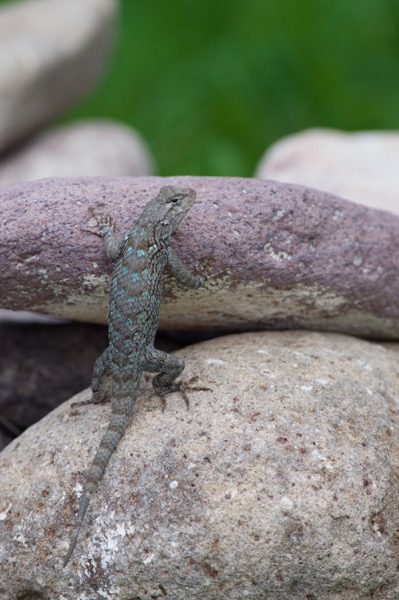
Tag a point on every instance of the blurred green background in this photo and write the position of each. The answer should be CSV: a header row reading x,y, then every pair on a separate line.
x,y
211,84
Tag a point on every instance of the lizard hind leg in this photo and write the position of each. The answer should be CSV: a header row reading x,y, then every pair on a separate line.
x,y
100,381
168,368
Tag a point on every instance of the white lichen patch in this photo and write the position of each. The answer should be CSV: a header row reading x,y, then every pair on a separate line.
x,y
96,282
276,254
300,354
90,307
4,513
364,365
149,559
226,304
78,489
287,504
251,304
214,361
110,533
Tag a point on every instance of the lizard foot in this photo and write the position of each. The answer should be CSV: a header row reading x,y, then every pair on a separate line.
x,y
93,400
181,387
205,271
104,221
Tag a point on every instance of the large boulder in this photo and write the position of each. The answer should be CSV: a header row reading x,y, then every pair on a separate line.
x,y
279,482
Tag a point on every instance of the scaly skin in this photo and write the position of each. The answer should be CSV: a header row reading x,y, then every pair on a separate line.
x,y
136,290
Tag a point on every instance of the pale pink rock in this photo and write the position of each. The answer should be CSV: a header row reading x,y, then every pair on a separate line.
x,y
51,54
361,166
86,148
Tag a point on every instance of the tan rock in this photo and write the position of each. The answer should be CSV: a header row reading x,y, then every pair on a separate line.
x,y
282,256
281,482
51,54
362,166
85,148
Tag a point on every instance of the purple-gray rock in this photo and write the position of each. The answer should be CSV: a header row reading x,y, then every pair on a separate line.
x,y
282,256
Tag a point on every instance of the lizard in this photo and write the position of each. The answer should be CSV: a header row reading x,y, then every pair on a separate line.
x,y
140,257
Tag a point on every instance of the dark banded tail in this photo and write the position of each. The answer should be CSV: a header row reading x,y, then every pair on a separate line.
x,y
121,411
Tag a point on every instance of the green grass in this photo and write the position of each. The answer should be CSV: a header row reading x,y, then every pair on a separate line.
x,y
211,84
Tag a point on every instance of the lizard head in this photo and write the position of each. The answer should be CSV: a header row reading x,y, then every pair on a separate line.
x,y
168,209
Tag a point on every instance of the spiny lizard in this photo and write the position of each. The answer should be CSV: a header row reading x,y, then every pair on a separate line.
x,y
135,294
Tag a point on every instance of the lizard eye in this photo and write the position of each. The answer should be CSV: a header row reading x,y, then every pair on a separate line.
x,y
175,199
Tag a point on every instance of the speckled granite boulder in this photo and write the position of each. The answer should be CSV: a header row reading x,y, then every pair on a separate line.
x,y
84,148
283,256
51,54
280,483
362,166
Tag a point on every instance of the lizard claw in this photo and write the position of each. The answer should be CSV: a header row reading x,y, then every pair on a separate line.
x,y
207,274
181,387
104,221
185,386
203,268
97,233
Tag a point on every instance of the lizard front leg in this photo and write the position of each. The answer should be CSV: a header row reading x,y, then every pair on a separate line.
x,y
179,271
106,230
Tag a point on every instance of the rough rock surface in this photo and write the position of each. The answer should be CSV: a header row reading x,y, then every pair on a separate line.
x,y
281,482
289,256
85,148
362,166
51,54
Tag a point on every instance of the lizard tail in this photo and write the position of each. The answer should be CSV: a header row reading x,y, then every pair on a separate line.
x,y
121,411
